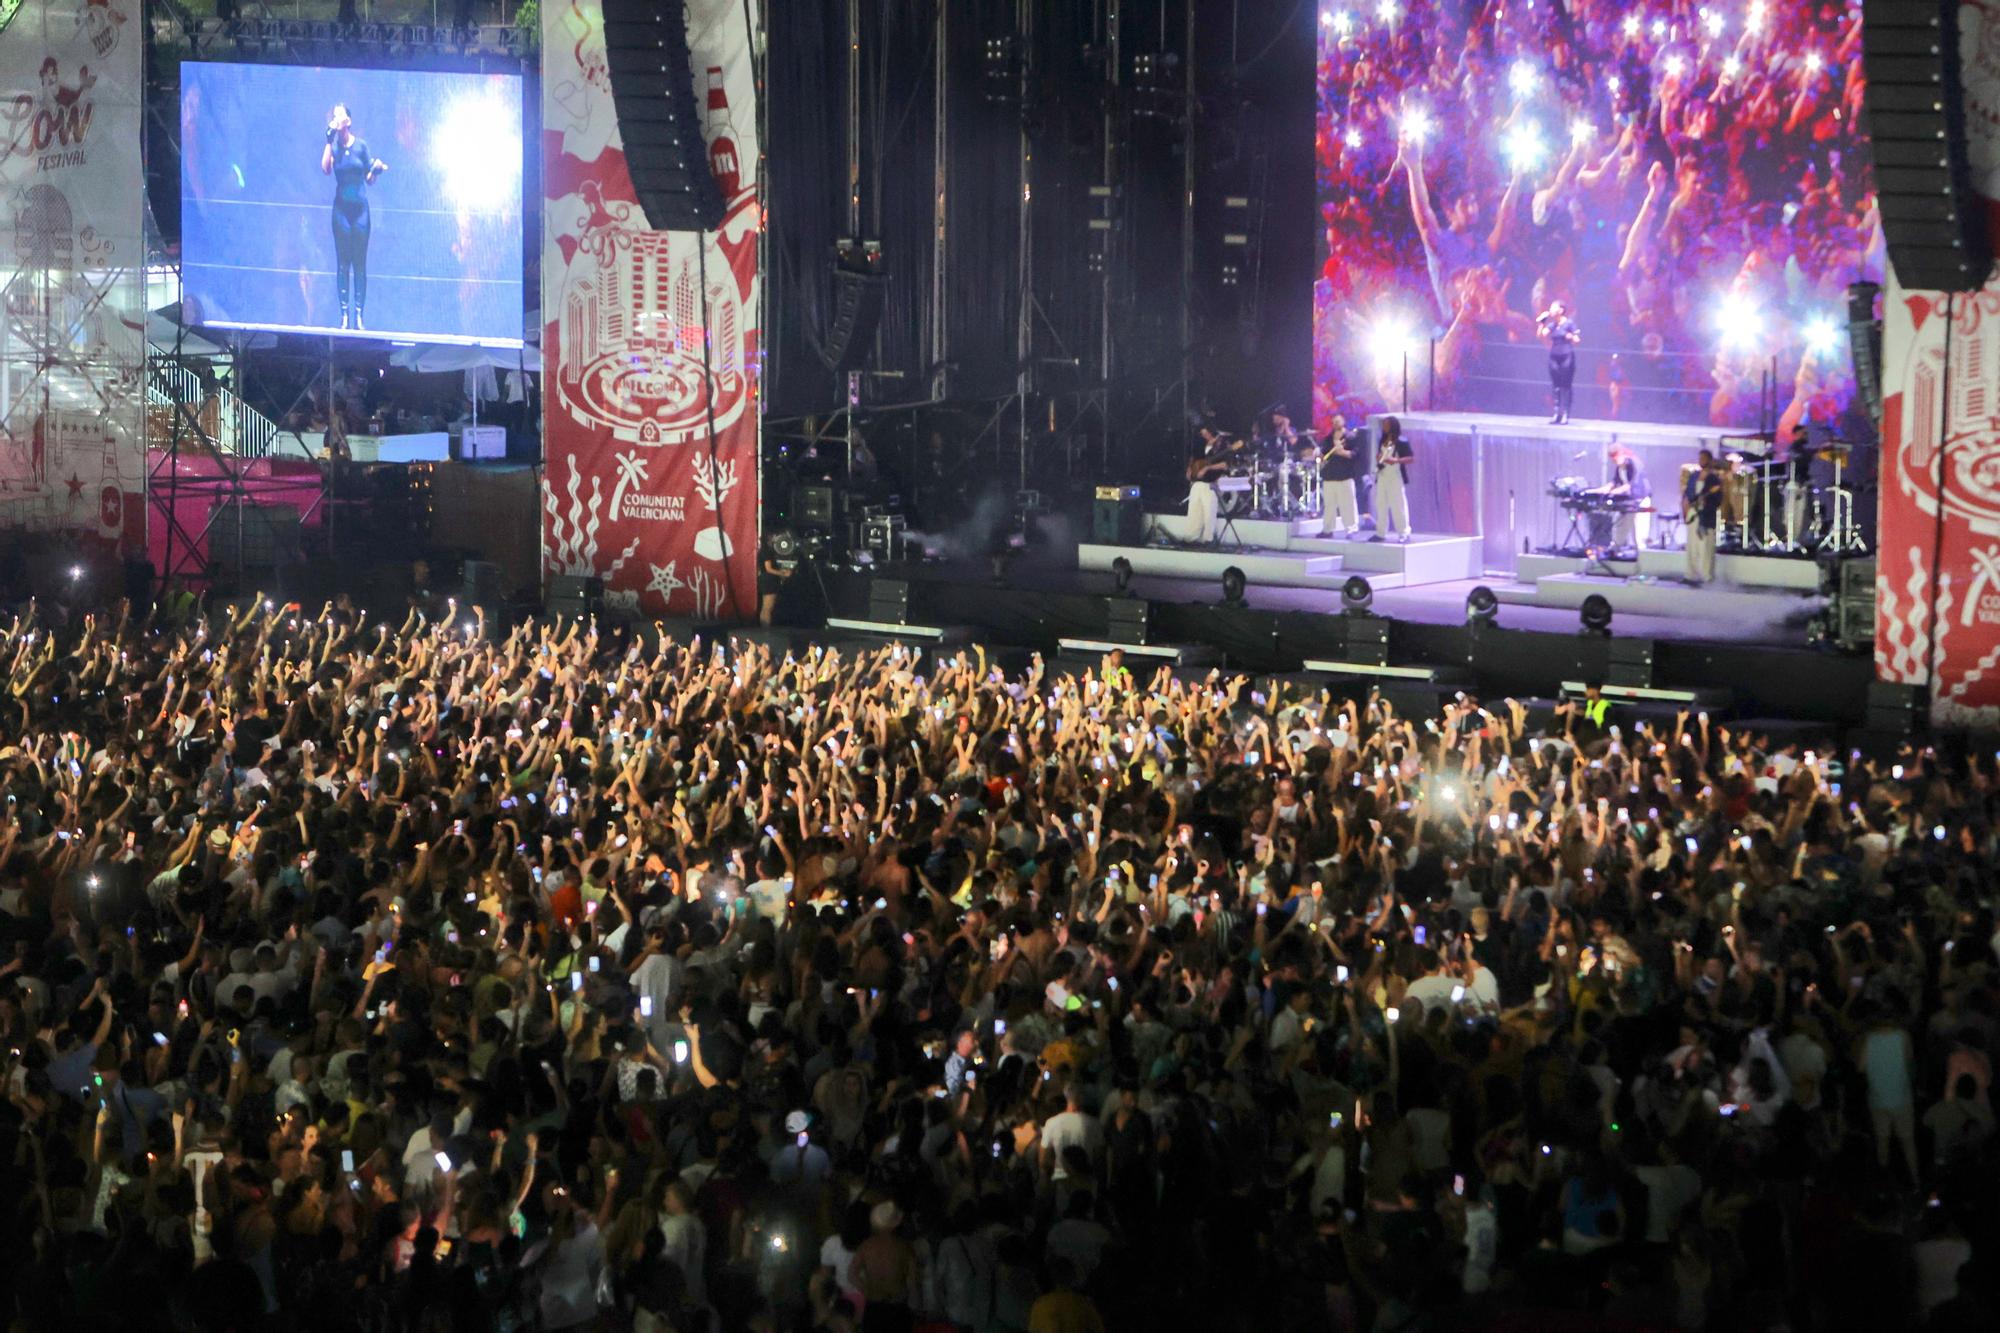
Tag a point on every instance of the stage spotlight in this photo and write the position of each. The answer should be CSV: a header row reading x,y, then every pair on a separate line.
x,y
1740,321
1595,614
1523,147
477,152
1823,337
1356,596
1389,342
1121,573
1233,584
1482,607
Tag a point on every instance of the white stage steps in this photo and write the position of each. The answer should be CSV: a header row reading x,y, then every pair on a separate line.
x,y
1293,555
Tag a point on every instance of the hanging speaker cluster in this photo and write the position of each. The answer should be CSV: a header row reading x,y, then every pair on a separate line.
x,y
1934,224
859,288
652,87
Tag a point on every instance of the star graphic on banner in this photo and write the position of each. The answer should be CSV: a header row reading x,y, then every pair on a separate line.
x,y
665,581
75,484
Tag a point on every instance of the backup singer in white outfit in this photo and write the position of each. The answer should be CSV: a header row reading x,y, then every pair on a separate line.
x,y
1203,504
1392,455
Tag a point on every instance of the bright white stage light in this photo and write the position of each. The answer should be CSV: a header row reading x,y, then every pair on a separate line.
x,y
1416,124
1521,77
1633,23
1389,341
1613,82
1814,62
1712,20
1738,320
1675,66
1352,138
1823,337
477,151
1387,11
1523,147
1341,22
1659,27
1581,131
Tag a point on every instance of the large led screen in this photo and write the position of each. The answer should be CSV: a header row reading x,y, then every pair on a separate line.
x,y
378,203
1692,181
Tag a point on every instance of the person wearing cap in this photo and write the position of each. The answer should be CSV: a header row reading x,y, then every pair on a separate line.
x,y
885,1270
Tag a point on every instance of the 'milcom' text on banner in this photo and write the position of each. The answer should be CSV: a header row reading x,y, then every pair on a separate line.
x,y
1937,590
651,447
72,268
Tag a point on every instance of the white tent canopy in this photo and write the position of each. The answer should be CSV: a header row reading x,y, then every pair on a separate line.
x,y
443,358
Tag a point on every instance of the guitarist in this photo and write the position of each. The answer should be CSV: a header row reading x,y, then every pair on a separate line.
x,y
1203,469
1338,512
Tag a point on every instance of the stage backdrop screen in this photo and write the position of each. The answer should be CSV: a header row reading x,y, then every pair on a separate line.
x,y
410,228
1692,180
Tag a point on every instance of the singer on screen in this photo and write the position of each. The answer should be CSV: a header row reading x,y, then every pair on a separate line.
x,y
353,169
1555,325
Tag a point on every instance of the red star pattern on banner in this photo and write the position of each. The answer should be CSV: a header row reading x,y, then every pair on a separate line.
x,y
75,484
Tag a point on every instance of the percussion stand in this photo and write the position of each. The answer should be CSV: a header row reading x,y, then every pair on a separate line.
x,y
1845,536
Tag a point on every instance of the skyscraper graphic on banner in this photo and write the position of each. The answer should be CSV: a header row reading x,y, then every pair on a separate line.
x,y
656,339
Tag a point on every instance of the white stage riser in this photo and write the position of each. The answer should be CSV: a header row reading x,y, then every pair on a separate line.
x,y
1277,569
1272,532
1568,591
1741,571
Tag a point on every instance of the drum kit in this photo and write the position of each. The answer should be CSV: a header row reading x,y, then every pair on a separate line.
x,y
1271,482
1771,506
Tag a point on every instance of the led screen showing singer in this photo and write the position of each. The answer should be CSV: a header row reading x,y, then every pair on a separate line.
x,y
379,203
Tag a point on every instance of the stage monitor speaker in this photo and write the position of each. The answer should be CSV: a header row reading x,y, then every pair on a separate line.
x,y
574,596
1127,619
1117,516
484,585
1857,578
1934,225
859,290
1629,662
889,601
652,89
813,507
1897,709
1365,639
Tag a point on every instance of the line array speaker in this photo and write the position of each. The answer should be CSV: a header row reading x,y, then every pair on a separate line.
x,y
1935,226
652,88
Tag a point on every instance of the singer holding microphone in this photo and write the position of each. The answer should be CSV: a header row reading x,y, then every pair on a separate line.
x,y
1555,325
346,158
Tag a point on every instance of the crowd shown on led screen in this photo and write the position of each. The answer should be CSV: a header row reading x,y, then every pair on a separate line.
x,y
1692,180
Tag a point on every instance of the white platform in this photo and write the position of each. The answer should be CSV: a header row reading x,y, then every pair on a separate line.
x,y
1428,557
1742,572
1662,597
1276,569
1596,434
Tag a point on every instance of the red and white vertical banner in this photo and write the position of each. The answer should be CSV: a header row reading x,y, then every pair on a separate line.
x,y
1937,589
651,447
72,271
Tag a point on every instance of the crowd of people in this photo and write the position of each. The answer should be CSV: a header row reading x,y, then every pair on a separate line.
x,y
1694,177
422,974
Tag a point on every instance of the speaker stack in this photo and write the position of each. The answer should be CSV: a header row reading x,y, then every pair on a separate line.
x,y
652,88
1934,224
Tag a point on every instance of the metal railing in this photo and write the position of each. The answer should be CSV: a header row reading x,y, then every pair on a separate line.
x,y
240,428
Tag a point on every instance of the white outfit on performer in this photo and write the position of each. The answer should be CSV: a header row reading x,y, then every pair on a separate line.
x,y
1201,512
1392,505
1633,529
1338,509
1700,552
